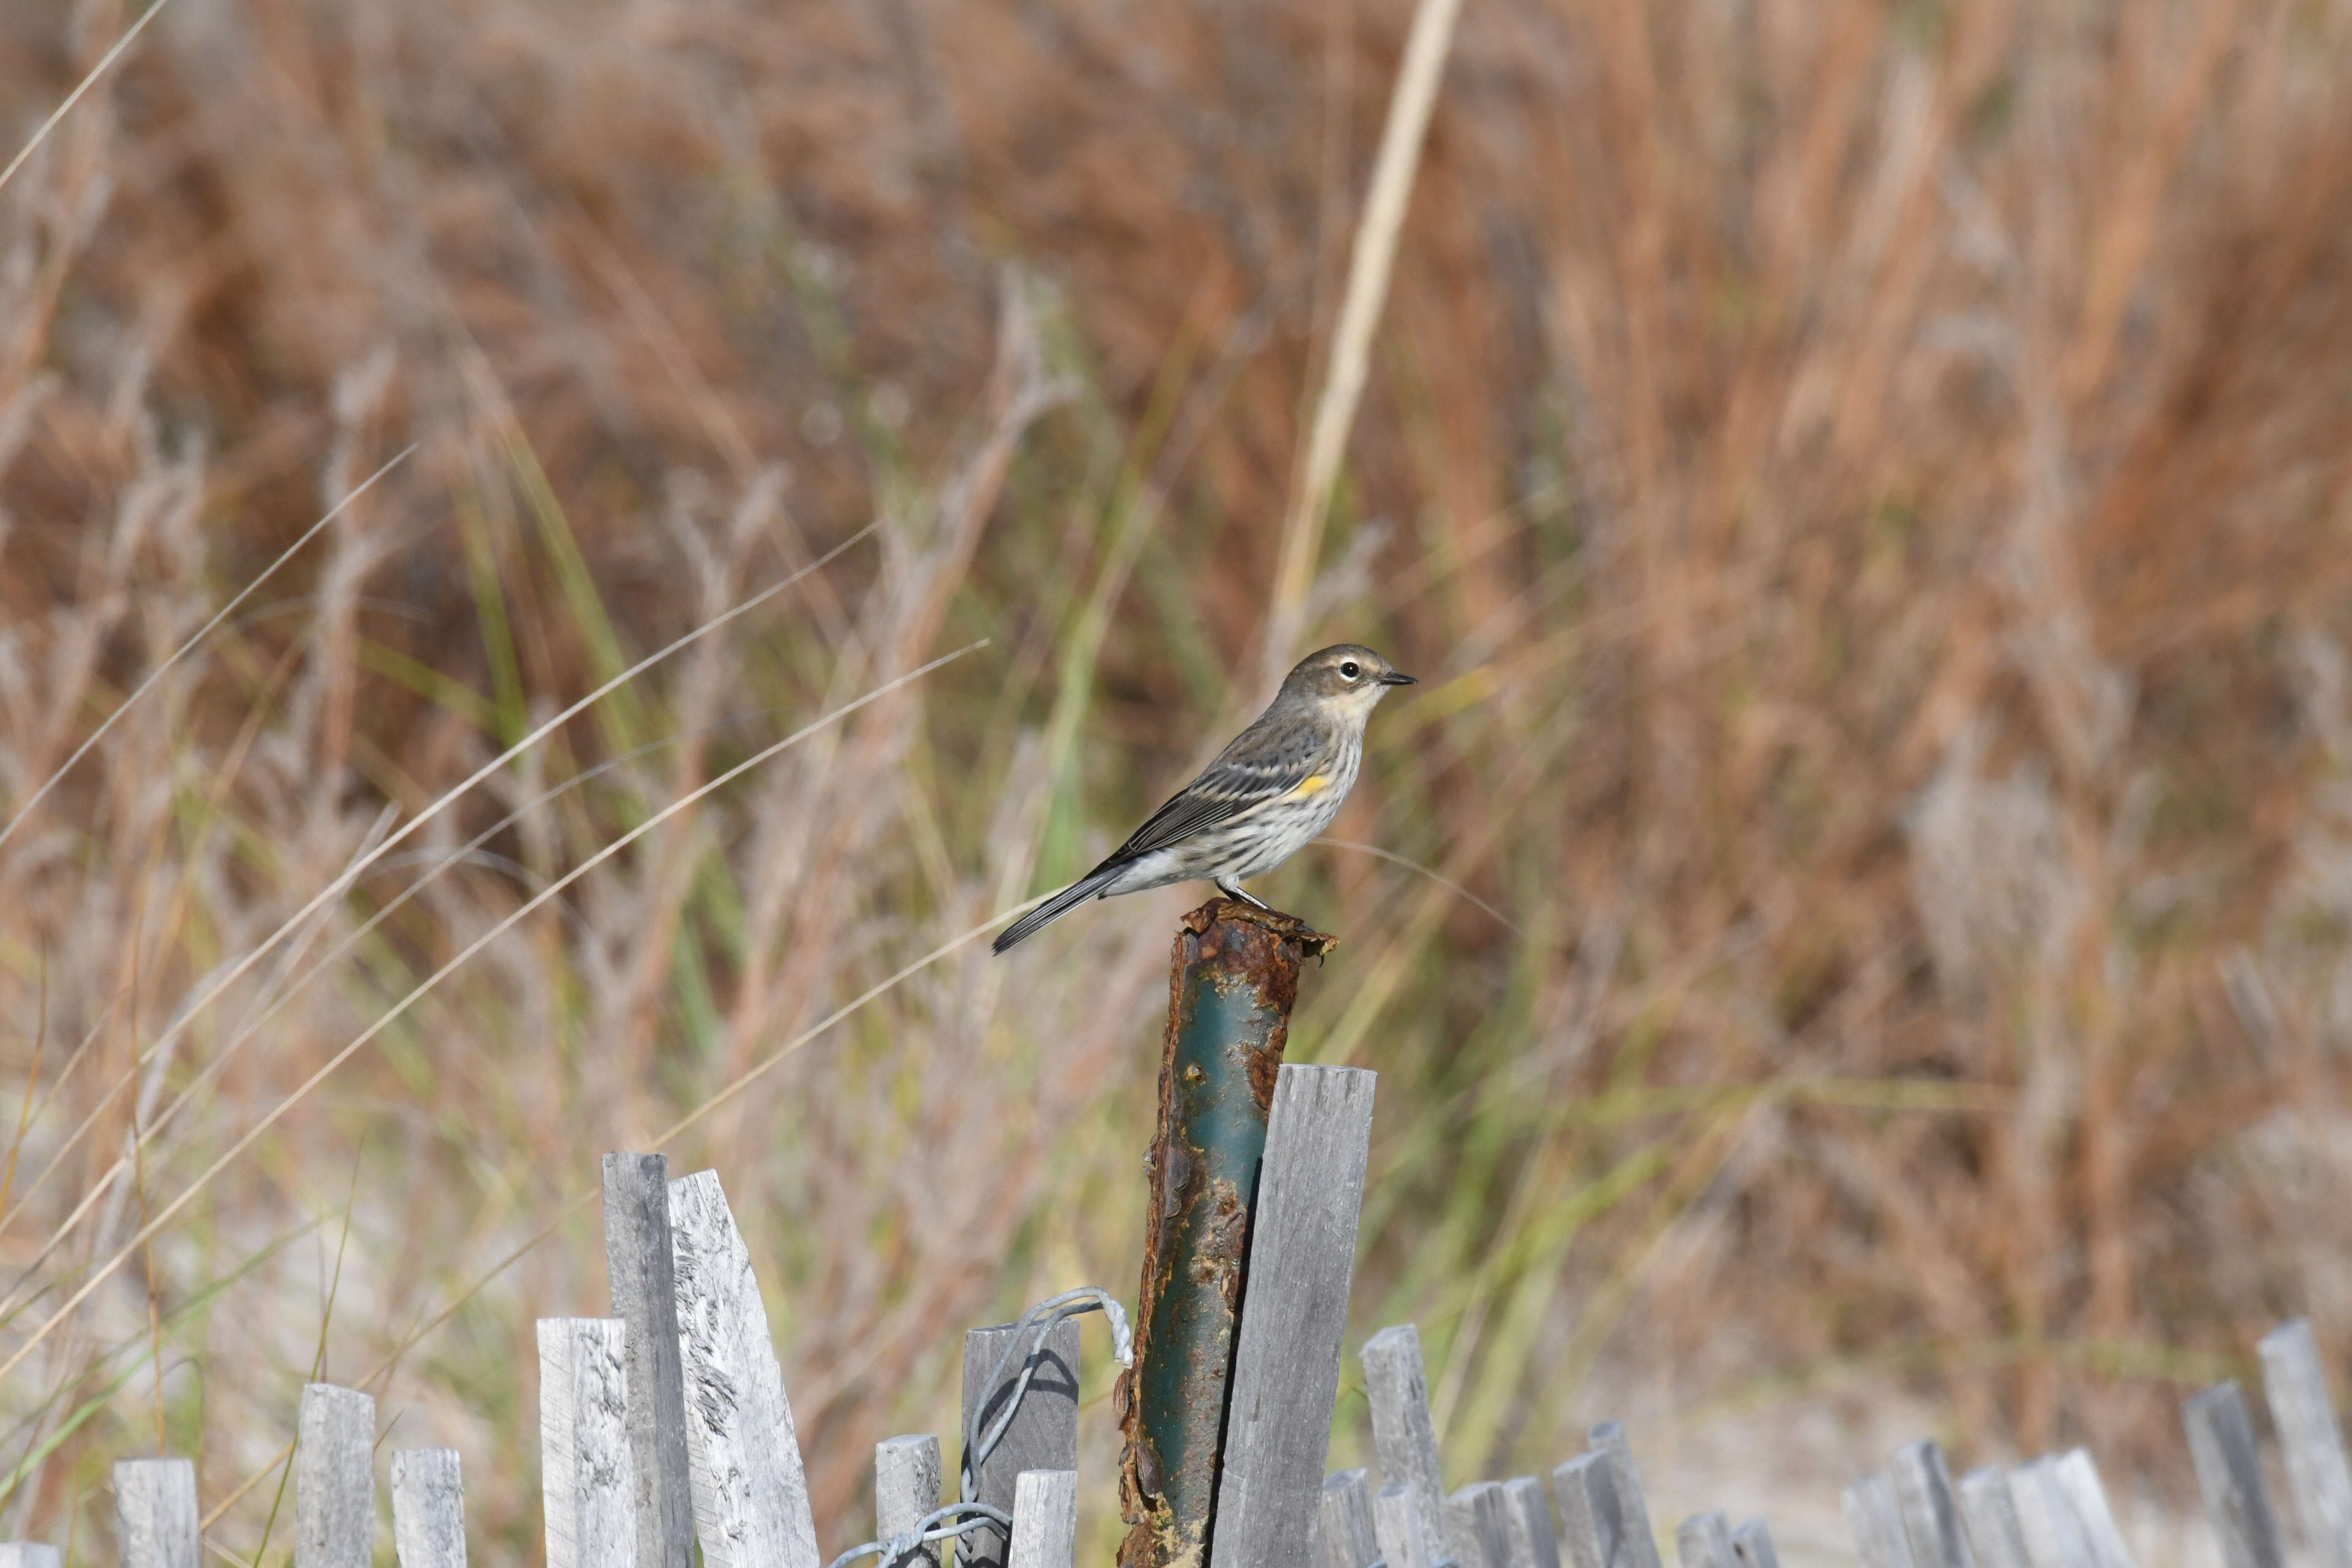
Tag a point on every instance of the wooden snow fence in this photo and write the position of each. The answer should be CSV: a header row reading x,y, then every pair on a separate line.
x,y
2053,1511
668,1423
2050,1512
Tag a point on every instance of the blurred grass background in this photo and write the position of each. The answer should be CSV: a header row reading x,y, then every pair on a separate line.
x,y
1864,485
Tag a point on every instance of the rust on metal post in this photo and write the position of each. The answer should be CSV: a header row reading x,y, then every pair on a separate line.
x,y
1230,990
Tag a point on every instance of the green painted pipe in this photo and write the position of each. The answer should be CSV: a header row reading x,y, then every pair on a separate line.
x,y
1230,991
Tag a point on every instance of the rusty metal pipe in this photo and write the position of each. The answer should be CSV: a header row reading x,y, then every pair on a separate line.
x,y
1230,990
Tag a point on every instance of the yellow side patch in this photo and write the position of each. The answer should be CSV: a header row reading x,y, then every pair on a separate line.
x,y
1314,783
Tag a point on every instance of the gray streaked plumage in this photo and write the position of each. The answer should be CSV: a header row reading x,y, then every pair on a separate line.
x,y
1266,795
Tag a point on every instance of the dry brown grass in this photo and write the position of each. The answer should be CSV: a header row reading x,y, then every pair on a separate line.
x,y
1864,485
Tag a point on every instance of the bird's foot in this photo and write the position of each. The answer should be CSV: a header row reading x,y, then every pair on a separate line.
x,y
1235,907
1234,890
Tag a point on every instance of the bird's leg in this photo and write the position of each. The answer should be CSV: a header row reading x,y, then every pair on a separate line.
x,y
1233,890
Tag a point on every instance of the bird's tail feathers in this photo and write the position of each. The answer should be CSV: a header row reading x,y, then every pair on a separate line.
x,y
1086,887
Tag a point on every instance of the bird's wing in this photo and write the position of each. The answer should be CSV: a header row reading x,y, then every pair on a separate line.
x,y
1227,788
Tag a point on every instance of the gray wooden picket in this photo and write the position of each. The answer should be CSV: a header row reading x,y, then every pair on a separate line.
x,y
641,1270
1397,1522
1044,1435
1587,1501
1875,1523
155,1523
1923,1497
1751,1543
590,1495
428,1508
1534,1544
1635,1539
1287,1354
334,1478
1345,1534
2053,1532
2295,1383
905,1488
1044,1519
1397,1388
29,1554
2230,1474
1475,1528
750,1495
1988,1519
2078,1477
1704,1541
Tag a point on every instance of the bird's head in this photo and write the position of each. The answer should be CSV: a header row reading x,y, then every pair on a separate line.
x,y
1347,674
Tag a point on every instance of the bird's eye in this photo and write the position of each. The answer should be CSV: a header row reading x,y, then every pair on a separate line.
x,y
1351,669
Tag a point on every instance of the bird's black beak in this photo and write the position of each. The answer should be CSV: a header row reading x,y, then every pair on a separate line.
x,y
1394,678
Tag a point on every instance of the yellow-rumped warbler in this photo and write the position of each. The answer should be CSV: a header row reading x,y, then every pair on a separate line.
x,y
1276,786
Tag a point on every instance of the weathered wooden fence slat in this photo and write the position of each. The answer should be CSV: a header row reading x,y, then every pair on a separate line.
x,y
1345,1535
1988,1516
1704,1541
642,1271
589,1492
1635,1540
155,1521
2296,1383
1752,1544
1397,1388
2078,1477
1588,1513
1396,1520
1287,1361
29,1554
1586,1503
2047,1521
1476,1525
1922,1496
1044,1519
1875,1523
1528,1514
428,1508
905,1488
750,1495
2230,1474
334,1478
1044,1435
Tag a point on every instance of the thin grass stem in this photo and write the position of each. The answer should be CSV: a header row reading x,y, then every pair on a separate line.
x,y
399,1008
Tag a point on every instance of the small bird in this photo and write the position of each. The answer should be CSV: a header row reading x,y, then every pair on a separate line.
x,y
1273,788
